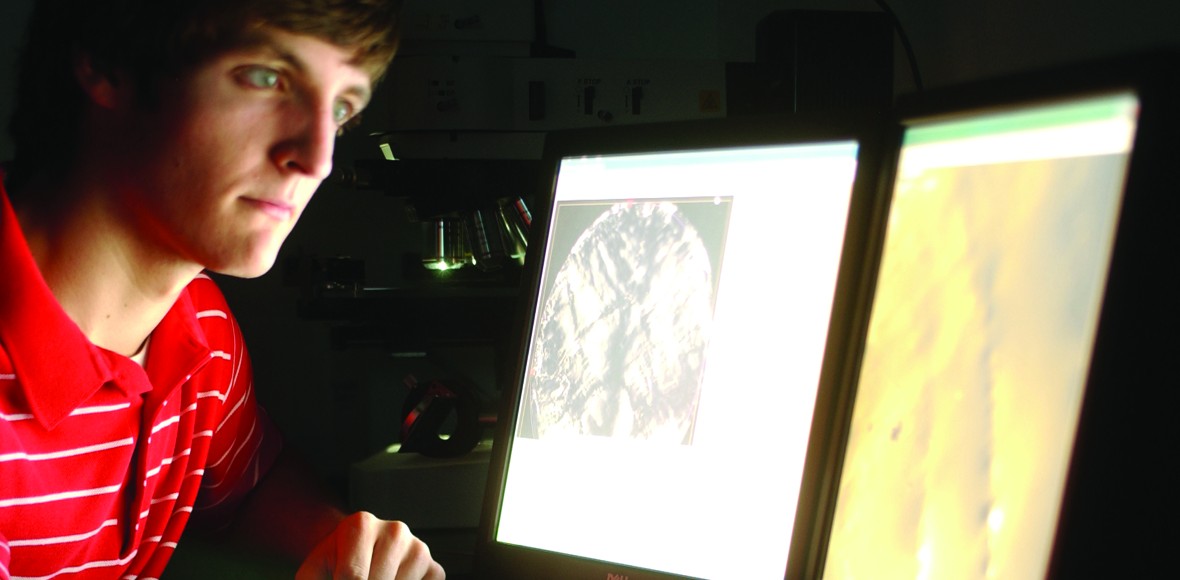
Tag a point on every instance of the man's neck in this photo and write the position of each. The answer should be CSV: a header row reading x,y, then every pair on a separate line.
x,y
111,284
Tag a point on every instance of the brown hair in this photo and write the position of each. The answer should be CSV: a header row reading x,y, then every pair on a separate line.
x,y
151,39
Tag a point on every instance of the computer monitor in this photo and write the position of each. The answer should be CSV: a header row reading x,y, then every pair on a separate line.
x,y
681,296
1005,419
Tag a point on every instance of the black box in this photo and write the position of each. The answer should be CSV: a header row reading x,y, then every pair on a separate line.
x,y
815,60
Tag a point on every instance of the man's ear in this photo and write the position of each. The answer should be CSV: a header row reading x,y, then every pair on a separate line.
x,y
105,87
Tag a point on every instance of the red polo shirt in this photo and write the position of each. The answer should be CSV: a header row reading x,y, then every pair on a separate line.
x,y
103,461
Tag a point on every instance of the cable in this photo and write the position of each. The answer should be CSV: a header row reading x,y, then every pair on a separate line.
x,y
905,42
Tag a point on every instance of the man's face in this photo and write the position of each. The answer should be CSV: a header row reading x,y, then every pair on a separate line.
x,y
218,171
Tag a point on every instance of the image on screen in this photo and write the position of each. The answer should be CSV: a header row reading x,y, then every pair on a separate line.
x,y
622,334
675,355
983,320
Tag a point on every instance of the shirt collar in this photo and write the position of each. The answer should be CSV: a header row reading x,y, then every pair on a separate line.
x,y
56,365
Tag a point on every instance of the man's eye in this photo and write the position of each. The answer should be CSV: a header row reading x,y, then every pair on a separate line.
x,y
260,77
342,111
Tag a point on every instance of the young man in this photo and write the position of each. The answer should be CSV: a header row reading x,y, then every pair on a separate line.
x,y
158,139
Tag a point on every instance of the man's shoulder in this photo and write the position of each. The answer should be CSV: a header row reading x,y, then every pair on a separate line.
x,y
205,294
208,306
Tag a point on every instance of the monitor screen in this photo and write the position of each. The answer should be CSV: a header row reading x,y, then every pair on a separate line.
x,y
988,295
683,300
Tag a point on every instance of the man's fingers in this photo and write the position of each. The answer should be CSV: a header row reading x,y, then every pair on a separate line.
x,y
387,550
363,546
398,555
319,563
355,537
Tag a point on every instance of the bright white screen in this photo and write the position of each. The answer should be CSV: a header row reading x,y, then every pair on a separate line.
x,y
979,342
675,357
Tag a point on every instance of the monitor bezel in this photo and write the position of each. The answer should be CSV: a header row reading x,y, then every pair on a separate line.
x,y
1117,432
869,129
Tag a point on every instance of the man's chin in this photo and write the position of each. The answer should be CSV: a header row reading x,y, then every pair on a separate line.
x,y
245,270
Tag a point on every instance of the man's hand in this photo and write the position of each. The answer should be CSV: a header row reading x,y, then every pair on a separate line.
x,y
363,546
289,514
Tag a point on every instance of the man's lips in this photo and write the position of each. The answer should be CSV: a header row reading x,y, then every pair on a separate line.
x,y
277,209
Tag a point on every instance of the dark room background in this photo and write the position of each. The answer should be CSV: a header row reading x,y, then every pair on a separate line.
x,y
340,404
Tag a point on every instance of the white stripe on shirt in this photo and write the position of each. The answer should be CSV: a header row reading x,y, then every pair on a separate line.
x,y
166,461
99,409
169,497
166,422
231,413
173,419
66,452
236,449
64,539
205,394
59,496
14,417
80,568
210,485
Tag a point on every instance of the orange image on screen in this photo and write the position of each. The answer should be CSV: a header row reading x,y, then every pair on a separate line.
x,y
974,369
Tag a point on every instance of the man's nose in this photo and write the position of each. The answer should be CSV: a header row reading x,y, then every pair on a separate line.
x,y
308,141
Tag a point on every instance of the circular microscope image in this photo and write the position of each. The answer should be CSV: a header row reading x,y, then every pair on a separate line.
x,y
622,334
